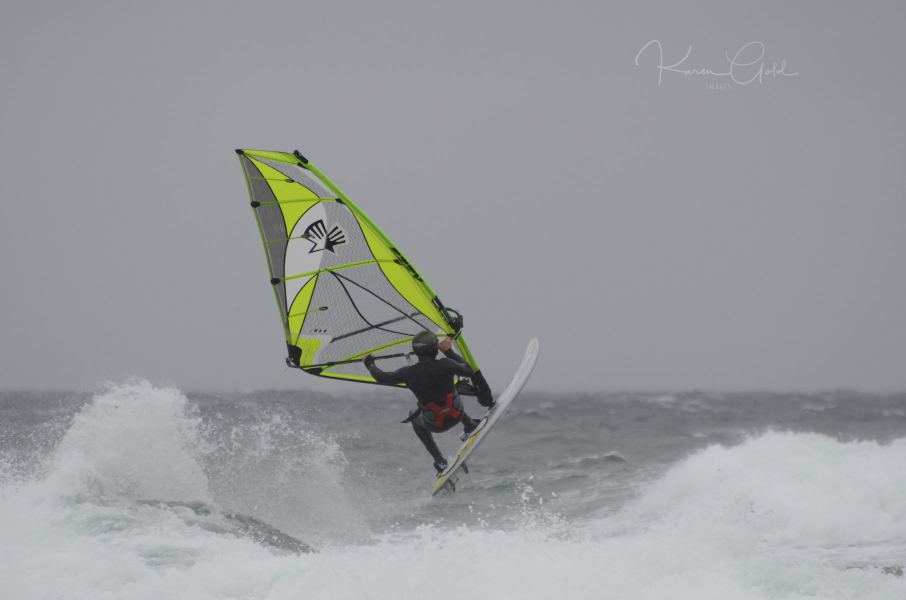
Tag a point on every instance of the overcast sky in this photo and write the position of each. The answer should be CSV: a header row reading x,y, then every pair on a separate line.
x,y
696,232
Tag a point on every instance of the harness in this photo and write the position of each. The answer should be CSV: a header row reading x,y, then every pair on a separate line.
x,y
447,411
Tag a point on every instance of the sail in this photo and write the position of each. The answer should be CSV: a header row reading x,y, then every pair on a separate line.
x,y
343,289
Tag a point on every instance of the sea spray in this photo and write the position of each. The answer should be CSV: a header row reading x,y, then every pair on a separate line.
x,y
270,464
132,441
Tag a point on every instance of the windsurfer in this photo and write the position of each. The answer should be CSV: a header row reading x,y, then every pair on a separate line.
x,y
431,380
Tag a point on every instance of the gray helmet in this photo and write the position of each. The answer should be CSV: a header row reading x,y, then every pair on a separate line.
x,y
425,344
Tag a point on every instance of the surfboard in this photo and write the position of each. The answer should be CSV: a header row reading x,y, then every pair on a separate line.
x,y
447,479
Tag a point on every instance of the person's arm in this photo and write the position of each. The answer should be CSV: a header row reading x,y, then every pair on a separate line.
x,y
458,365
392,377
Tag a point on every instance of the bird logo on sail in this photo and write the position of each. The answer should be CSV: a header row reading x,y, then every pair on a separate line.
x,y
321,239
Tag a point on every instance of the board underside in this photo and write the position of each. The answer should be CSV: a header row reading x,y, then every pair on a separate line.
x,y
448,478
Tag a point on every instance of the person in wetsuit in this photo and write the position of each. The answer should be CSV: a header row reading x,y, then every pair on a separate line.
x,y
431,380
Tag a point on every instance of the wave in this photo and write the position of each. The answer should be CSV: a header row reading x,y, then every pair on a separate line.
x,y
199,514
146,497
791,489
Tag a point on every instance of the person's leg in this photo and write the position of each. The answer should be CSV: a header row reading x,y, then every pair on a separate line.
x,y
428,440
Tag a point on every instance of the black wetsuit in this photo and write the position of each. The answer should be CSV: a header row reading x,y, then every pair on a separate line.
x,y
431,380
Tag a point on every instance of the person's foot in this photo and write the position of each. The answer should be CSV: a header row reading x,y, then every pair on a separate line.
x,y
470,426
440,465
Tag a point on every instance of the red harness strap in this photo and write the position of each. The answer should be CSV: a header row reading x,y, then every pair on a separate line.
x,y
447,411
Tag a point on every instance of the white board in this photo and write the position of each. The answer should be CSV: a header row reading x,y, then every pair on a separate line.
x,y
447,479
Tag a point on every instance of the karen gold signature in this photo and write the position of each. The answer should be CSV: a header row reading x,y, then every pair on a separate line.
x,y
745,67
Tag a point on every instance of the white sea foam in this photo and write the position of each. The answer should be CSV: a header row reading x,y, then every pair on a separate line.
x,y
132,441
781,516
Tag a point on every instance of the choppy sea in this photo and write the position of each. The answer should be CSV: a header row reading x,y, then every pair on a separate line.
x,y
139,491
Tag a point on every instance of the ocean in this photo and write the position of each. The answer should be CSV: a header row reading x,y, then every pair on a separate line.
x,y
142,491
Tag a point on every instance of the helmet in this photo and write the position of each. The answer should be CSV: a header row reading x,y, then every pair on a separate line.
x,y
425,344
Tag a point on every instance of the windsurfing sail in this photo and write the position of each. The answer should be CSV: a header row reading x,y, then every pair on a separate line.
x,y
343,289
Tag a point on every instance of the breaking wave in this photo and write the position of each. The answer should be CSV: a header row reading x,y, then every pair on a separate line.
x,y
146,496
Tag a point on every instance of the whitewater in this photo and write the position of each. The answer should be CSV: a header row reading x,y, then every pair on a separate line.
x,y
141,491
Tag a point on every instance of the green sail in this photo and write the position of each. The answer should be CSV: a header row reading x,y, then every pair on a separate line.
x,y
343,289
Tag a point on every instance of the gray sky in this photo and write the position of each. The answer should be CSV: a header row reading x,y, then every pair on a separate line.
x,y
652,236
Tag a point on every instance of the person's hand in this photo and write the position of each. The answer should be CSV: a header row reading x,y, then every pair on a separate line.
x,y
368,357
445,344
